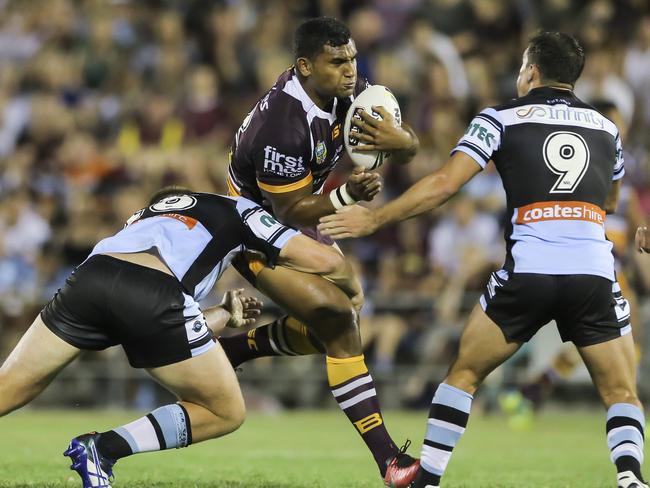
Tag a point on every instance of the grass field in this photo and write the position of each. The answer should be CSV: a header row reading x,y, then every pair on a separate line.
x,y
314,450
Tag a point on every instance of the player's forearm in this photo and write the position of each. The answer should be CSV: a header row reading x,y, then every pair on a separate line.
x,y
404,156
425,195
217,317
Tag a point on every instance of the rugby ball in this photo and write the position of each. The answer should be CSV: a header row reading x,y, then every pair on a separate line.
x,y
373,96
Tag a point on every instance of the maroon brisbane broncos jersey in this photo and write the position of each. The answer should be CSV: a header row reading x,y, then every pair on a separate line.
x,y
286,142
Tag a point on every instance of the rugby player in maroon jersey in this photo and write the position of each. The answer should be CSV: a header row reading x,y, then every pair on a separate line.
x,y
280,158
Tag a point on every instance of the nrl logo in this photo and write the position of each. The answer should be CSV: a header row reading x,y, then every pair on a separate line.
x,y
321,152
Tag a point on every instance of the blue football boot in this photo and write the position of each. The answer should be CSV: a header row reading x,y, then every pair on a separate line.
x,y
95,470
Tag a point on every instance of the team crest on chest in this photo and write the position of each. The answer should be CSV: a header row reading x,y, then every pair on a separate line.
x,y
321,152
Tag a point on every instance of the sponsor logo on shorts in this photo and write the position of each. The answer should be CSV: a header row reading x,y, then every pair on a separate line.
x,y
198,325
540,211
281,164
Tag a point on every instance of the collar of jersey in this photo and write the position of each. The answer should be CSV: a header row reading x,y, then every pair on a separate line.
x,y
551,89
307,103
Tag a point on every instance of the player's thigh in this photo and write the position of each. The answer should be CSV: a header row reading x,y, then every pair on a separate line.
x,y
612,368
207,380
483,347
35,361
304,295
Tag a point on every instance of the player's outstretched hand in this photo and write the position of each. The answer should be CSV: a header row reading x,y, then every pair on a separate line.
x,y
349,221
362,185
380,134
243,309
642,239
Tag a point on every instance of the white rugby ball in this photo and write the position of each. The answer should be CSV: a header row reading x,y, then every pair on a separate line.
x,y
373,96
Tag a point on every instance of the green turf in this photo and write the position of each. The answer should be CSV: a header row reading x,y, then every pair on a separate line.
x,y
315,450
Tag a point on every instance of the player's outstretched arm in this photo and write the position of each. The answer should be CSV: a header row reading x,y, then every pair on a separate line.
x,y
386,134
235,310
425,195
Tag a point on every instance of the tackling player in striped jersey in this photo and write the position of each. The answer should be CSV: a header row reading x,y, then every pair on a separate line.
x,y
561,164
140,288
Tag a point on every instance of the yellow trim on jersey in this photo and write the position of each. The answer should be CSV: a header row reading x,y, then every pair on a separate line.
x,y
232,190
296,185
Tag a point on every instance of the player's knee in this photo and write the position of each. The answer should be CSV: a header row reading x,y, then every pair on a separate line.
x,y
329,305
11,397
338,318
465,379
619,395
233,414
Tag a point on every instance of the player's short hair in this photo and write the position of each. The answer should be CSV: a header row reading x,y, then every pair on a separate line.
x,y
559,56
313,34
168,191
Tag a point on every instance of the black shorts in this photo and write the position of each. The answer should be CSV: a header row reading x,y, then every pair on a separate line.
x,y
588,309
107,301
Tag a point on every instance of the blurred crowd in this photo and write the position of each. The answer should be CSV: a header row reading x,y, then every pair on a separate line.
x,y
104,101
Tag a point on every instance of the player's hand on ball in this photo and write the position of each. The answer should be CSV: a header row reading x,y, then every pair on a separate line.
x,y
362,185
383,134
349,221
642,239
243,309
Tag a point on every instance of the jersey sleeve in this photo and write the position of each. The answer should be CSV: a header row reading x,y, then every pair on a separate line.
x,y
281,157
482,137
619,166
262,232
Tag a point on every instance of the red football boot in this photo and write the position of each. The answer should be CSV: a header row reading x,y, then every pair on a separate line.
x,y
401,469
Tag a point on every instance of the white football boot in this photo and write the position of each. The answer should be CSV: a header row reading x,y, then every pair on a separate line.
x,y
627,479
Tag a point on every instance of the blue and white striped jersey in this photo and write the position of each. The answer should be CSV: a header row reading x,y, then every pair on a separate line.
x,y
198,234
557,158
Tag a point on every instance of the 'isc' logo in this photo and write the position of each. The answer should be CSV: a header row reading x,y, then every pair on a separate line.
x,y
336,131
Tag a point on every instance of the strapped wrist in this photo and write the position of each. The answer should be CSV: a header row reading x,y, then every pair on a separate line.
x,y
340,197
232,322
